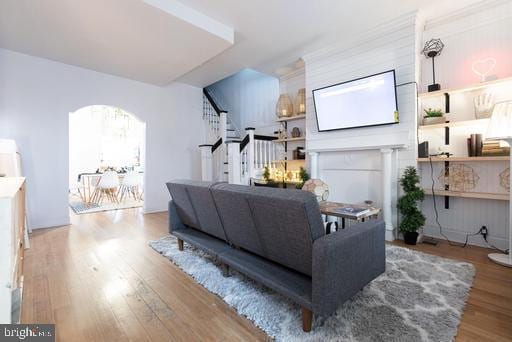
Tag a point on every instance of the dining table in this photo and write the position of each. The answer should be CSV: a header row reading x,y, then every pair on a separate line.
x,y
88,182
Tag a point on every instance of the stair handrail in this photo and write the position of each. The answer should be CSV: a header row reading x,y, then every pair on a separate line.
x,y
217,109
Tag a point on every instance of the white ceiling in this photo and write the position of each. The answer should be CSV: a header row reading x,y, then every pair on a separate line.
x,y
158,41
270,34
155,41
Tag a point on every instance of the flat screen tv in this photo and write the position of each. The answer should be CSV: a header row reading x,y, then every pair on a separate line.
x,y
366,101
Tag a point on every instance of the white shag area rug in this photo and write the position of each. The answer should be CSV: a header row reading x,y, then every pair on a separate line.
x,y
420,297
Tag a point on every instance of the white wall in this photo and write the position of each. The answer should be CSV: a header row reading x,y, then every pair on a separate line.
x,y
474,33
36,97
356,176
250,98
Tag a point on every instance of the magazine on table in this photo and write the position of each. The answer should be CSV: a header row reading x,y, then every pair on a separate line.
x,y
351,211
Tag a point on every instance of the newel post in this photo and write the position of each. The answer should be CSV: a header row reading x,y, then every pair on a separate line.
x,y
223,126
206,162
234,169
251,153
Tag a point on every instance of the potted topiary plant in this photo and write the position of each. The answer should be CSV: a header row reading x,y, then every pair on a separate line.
x,y
433,116
412,217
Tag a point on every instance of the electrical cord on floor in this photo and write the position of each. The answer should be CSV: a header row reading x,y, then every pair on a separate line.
x,y
504,251
436,213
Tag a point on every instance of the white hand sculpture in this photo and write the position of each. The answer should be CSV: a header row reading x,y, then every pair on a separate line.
x,y
483,105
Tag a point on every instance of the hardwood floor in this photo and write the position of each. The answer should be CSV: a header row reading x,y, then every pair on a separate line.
x,y
98,280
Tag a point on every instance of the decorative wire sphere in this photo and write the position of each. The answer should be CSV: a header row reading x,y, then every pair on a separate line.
x,y
460,177
433,48
318,188
284,106
300,102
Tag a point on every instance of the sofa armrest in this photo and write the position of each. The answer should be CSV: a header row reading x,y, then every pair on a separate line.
x,y
175,222
344,262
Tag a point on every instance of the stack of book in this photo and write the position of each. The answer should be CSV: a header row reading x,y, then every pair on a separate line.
x,y
494,148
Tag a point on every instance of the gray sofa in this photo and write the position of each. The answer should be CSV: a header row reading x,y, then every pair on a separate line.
x,y
277,238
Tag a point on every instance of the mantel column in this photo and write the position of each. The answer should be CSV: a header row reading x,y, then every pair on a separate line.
x,y
386,193
313,163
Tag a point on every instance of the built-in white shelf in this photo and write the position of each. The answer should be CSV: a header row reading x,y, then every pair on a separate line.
x,y
465,89
464,159
464,123
463,194
291,139
291,118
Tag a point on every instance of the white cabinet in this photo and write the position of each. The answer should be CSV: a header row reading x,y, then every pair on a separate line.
x,y
12,230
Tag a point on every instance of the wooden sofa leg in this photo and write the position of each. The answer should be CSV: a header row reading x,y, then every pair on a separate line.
x,y
180,244
225,270
307,319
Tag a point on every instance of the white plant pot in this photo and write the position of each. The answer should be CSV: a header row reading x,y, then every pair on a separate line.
x,y
434,120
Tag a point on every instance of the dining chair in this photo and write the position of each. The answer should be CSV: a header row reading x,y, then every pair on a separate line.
x,y
130,185
107,186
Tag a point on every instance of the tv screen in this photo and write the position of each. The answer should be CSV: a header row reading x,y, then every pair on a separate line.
x,y
367,101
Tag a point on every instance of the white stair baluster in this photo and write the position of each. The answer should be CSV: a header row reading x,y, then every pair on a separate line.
x,y
261,165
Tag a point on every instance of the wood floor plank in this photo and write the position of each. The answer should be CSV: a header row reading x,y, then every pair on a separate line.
x,y
98,280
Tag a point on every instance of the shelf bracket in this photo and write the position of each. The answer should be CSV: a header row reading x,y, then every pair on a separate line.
x,y
447,186
446,103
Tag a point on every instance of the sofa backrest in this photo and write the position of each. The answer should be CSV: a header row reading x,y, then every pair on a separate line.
x,y
195,206
278,224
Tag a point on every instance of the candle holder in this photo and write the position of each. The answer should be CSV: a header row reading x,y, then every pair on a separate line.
x,y
284,106
300,102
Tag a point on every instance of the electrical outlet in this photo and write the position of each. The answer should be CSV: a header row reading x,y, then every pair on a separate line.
x,y
484,231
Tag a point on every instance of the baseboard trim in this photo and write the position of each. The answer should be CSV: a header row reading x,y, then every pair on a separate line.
x,y
154,210
50,223
460,237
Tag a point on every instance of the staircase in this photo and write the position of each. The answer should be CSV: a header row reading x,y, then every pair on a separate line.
x,y
226,156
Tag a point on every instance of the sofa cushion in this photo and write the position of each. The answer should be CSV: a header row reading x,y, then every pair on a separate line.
x,y
278,224
181,199
287,282
207,243
205,209
236,217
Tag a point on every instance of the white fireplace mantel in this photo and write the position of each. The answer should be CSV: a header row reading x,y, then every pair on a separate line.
x,y
387,172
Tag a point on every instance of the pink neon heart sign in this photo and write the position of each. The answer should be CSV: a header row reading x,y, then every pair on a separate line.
x,y
483,67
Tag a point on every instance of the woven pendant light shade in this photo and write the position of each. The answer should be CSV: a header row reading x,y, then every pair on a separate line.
x,y
300,102
284,106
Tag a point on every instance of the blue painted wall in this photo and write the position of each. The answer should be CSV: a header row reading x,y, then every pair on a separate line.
x,y
250,97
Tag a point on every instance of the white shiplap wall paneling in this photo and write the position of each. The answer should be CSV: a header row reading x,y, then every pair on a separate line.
x,y
474,33
356,176
477,32
290,84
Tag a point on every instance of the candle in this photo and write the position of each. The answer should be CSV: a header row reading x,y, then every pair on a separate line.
x,y
302,108
284,112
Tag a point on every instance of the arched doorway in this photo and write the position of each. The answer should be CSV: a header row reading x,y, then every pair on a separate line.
x,y
106,159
